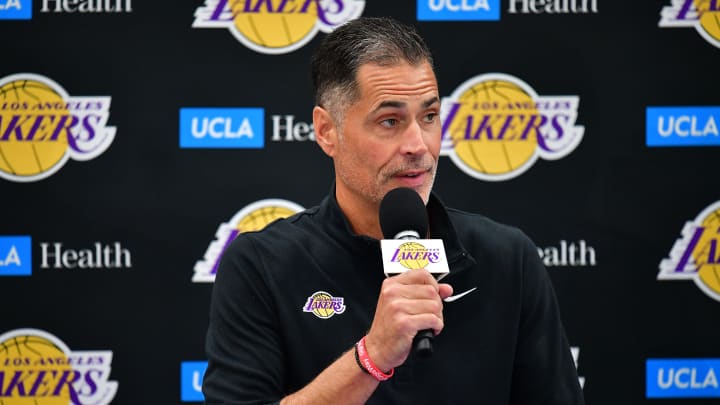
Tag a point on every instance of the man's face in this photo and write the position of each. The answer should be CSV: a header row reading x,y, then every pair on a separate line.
x,y
390,137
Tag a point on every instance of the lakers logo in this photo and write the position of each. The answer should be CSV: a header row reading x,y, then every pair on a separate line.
x,y
253,217
703,15
324,305
39,369
495,127
696,255
413,256
276,26
41,127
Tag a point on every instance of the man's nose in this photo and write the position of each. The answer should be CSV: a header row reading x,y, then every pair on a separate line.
x,y
413,141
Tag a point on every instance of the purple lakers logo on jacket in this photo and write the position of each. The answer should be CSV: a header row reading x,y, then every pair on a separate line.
x,y
323,305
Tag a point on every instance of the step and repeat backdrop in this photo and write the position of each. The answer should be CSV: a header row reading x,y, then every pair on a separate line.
x,y
138,138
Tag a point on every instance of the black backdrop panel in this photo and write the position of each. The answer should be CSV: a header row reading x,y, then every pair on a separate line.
x,y
98,256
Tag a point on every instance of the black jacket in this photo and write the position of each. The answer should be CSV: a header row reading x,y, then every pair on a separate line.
x,y
502,344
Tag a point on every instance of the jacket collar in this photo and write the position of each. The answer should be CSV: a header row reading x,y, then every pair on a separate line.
x,y
441,227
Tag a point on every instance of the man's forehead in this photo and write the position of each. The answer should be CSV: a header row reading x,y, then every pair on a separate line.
x,y
395,84
424,103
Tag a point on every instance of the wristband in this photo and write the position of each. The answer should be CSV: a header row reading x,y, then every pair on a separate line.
x,y
367,365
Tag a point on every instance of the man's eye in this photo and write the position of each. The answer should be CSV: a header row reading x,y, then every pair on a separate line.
x,y
388,123
430,117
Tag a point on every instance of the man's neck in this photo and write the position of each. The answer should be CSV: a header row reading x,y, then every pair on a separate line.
x,y
360,213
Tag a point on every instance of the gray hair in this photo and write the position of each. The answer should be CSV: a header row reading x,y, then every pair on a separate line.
x,y
379,40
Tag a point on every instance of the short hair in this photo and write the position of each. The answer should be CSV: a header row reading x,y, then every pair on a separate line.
x,y
379,40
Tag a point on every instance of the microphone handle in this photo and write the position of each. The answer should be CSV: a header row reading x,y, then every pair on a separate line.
x,y
423,343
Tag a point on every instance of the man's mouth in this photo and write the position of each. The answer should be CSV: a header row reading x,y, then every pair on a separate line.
x,y
412,173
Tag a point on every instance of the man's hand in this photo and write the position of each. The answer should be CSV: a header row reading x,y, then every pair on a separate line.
x,y
408,303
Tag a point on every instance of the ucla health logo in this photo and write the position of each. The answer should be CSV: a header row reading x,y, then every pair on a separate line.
x,y
323,305
495,127
276,26
39,368
41,127
682,378
22,9
703,15
682,126
569,254
15,255
695,255
222,128
553,7
252,217
15,9
458,10
191,377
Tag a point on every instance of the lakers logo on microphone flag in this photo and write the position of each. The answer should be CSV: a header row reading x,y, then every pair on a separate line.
x,y
401,255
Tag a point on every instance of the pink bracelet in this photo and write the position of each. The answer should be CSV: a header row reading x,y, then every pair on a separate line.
x,y
367,365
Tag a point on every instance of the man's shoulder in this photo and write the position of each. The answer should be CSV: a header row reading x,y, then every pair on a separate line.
x,y
469,222
283,229
479,230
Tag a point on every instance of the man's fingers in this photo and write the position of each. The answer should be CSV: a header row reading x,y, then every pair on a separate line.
x,y
445,290
413,277
409,291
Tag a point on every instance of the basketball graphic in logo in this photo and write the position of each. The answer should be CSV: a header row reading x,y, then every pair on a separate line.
x,y
24,153
696,254
37,368
495,127
709,15
251,218
273,30
492,146
703,15
260,217
412,255
276,27
41,127
707,253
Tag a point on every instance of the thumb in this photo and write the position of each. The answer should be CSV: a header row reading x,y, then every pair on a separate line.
x,y
445,290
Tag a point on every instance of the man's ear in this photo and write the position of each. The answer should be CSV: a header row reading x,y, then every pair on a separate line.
x,y
326,133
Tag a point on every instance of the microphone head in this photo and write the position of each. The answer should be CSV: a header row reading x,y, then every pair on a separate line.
x,y
401,210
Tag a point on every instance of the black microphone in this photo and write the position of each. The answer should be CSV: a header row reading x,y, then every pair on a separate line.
x,y
403,217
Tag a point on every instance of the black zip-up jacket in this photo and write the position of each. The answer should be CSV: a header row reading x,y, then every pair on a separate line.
x,y
502,343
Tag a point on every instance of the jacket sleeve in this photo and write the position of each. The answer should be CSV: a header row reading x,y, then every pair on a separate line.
x,y
544,371
243,345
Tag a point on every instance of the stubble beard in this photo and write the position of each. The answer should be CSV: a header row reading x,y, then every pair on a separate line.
x,y
375,192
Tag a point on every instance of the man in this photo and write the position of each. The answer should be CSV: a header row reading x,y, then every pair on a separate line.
x,y
302,313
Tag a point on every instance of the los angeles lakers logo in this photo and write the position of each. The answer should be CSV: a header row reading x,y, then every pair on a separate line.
x,y
495,127
40,369
413,255
324,305
276,26
41,127
703,15
252,217
696,255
